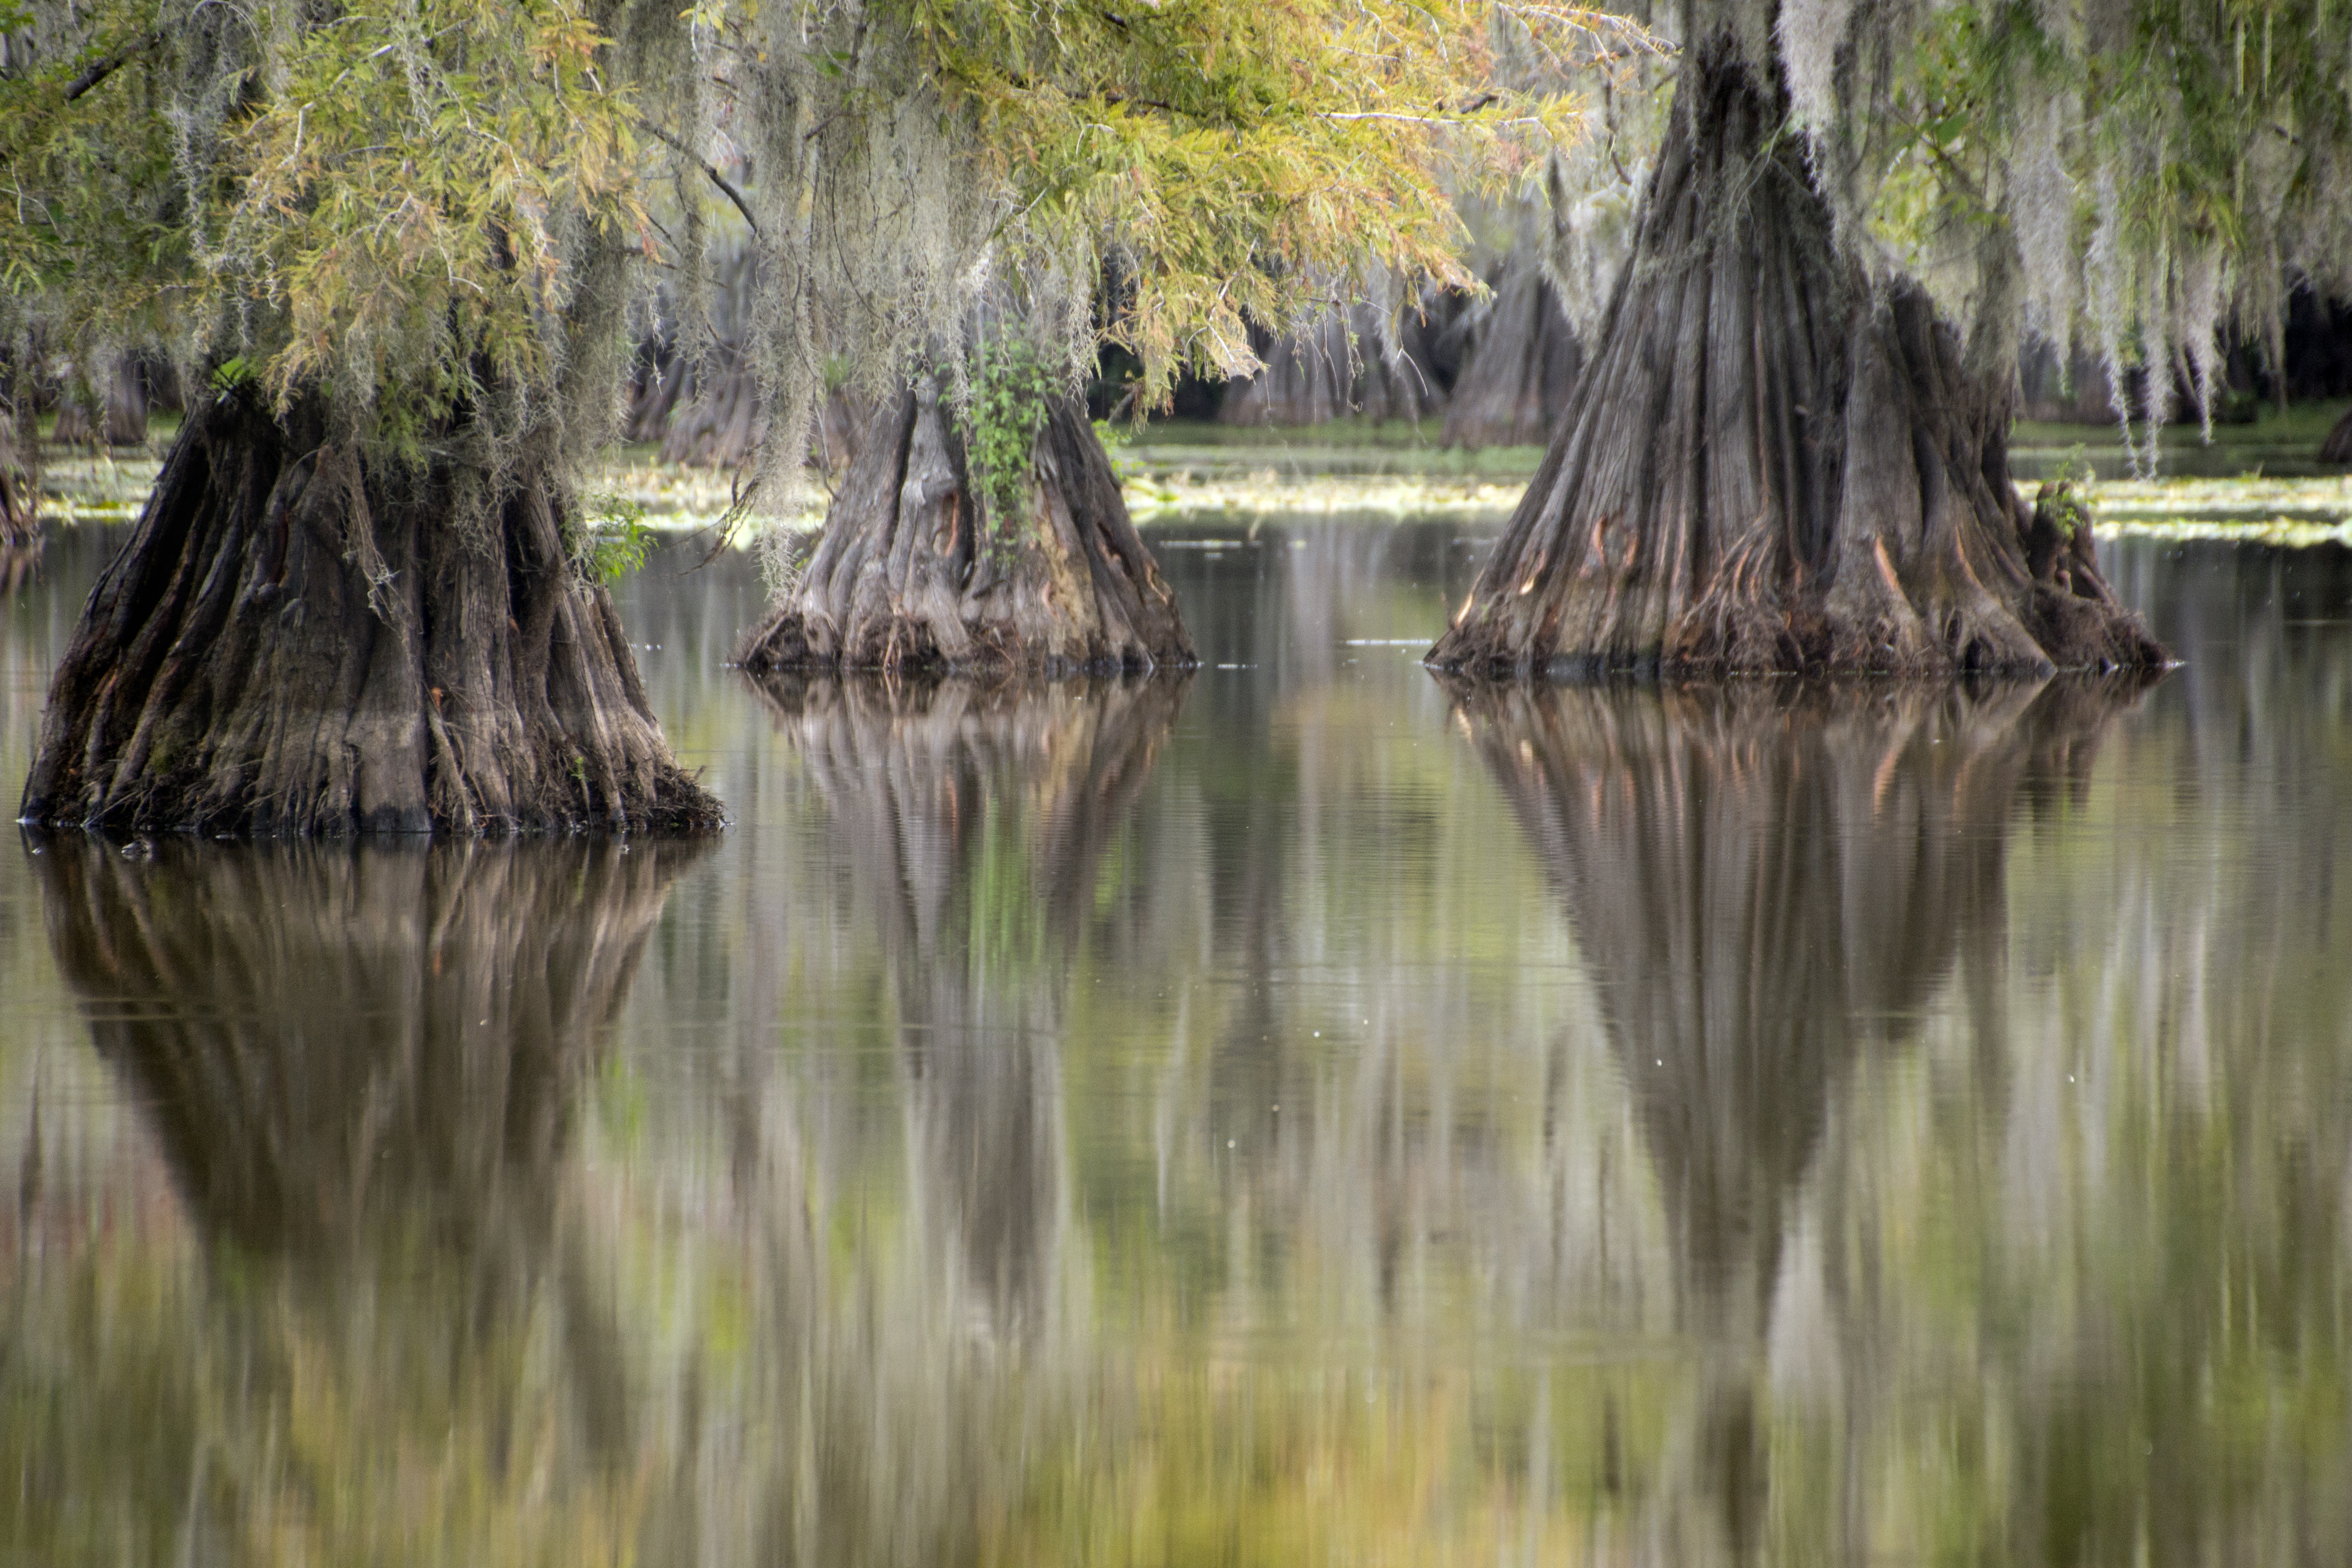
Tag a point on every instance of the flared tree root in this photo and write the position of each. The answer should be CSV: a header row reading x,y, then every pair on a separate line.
x,y
906,575
296,640
2337,448
1769,465
1519,362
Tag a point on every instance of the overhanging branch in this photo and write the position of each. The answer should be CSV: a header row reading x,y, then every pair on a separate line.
x,y
722,181
105,65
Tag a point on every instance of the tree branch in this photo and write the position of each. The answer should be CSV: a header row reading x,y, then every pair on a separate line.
x,y
741,204
105,65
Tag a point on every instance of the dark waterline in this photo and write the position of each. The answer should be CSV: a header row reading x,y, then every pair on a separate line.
x,y
1295,1113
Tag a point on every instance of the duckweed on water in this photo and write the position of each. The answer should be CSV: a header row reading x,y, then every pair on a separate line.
x,y
1162,488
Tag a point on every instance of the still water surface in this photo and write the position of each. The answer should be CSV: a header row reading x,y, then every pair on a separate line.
x,y
1291,1114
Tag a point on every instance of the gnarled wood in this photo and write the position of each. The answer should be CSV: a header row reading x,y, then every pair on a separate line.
x,y
296,640
903,578
1768,464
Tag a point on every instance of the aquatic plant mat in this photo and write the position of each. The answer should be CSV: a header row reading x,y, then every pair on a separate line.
x,y
1179,477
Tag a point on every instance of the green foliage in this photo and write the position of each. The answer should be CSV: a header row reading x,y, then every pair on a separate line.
x,y
1011,390
2132,176
392,204
616,540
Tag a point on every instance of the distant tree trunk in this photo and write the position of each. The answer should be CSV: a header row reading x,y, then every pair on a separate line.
x,y
1344,366
297,639
1519,366
720,422
20,521
1770,465
120,422
903,577
2337,448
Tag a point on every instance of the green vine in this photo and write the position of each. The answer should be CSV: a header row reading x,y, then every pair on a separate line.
x,y
1010,390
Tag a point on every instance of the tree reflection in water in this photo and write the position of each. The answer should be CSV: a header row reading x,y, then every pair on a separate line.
x,y
936,1209
1770,884
361,1066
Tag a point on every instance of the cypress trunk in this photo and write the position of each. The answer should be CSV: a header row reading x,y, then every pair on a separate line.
x,y
1770,465
2337,448
20,521
1520,364
297,639
1343,365
119,420
906,575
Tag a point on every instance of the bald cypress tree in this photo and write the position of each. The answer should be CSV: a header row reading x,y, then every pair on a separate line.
x,y
394,248
1789,449
400,249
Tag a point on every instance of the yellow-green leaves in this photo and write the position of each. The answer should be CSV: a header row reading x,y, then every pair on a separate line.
x,y
1256,162
402,196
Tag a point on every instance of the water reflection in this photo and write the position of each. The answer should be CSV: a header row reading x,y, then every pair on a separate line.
x,y
1769,881
1772,886
974,820
361,1065
1233,1124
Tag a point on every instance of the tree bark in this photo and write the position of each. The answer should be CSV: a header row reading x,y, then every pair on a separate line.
x,y
297,640
1770,465
2337,448
904,577
1521,365
1341,367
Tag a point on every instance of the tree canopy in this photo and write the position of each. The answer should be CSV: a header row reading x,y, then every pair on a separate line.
x,y
2127,175
439,205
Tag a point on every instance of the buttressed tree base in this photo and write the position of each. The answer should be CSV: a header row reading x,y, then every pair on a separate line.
x,y
1771,464
296,640
910,574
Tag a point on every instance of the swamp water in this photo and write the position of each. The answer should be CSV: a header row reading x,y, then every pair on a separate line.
x,y
1295,1113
